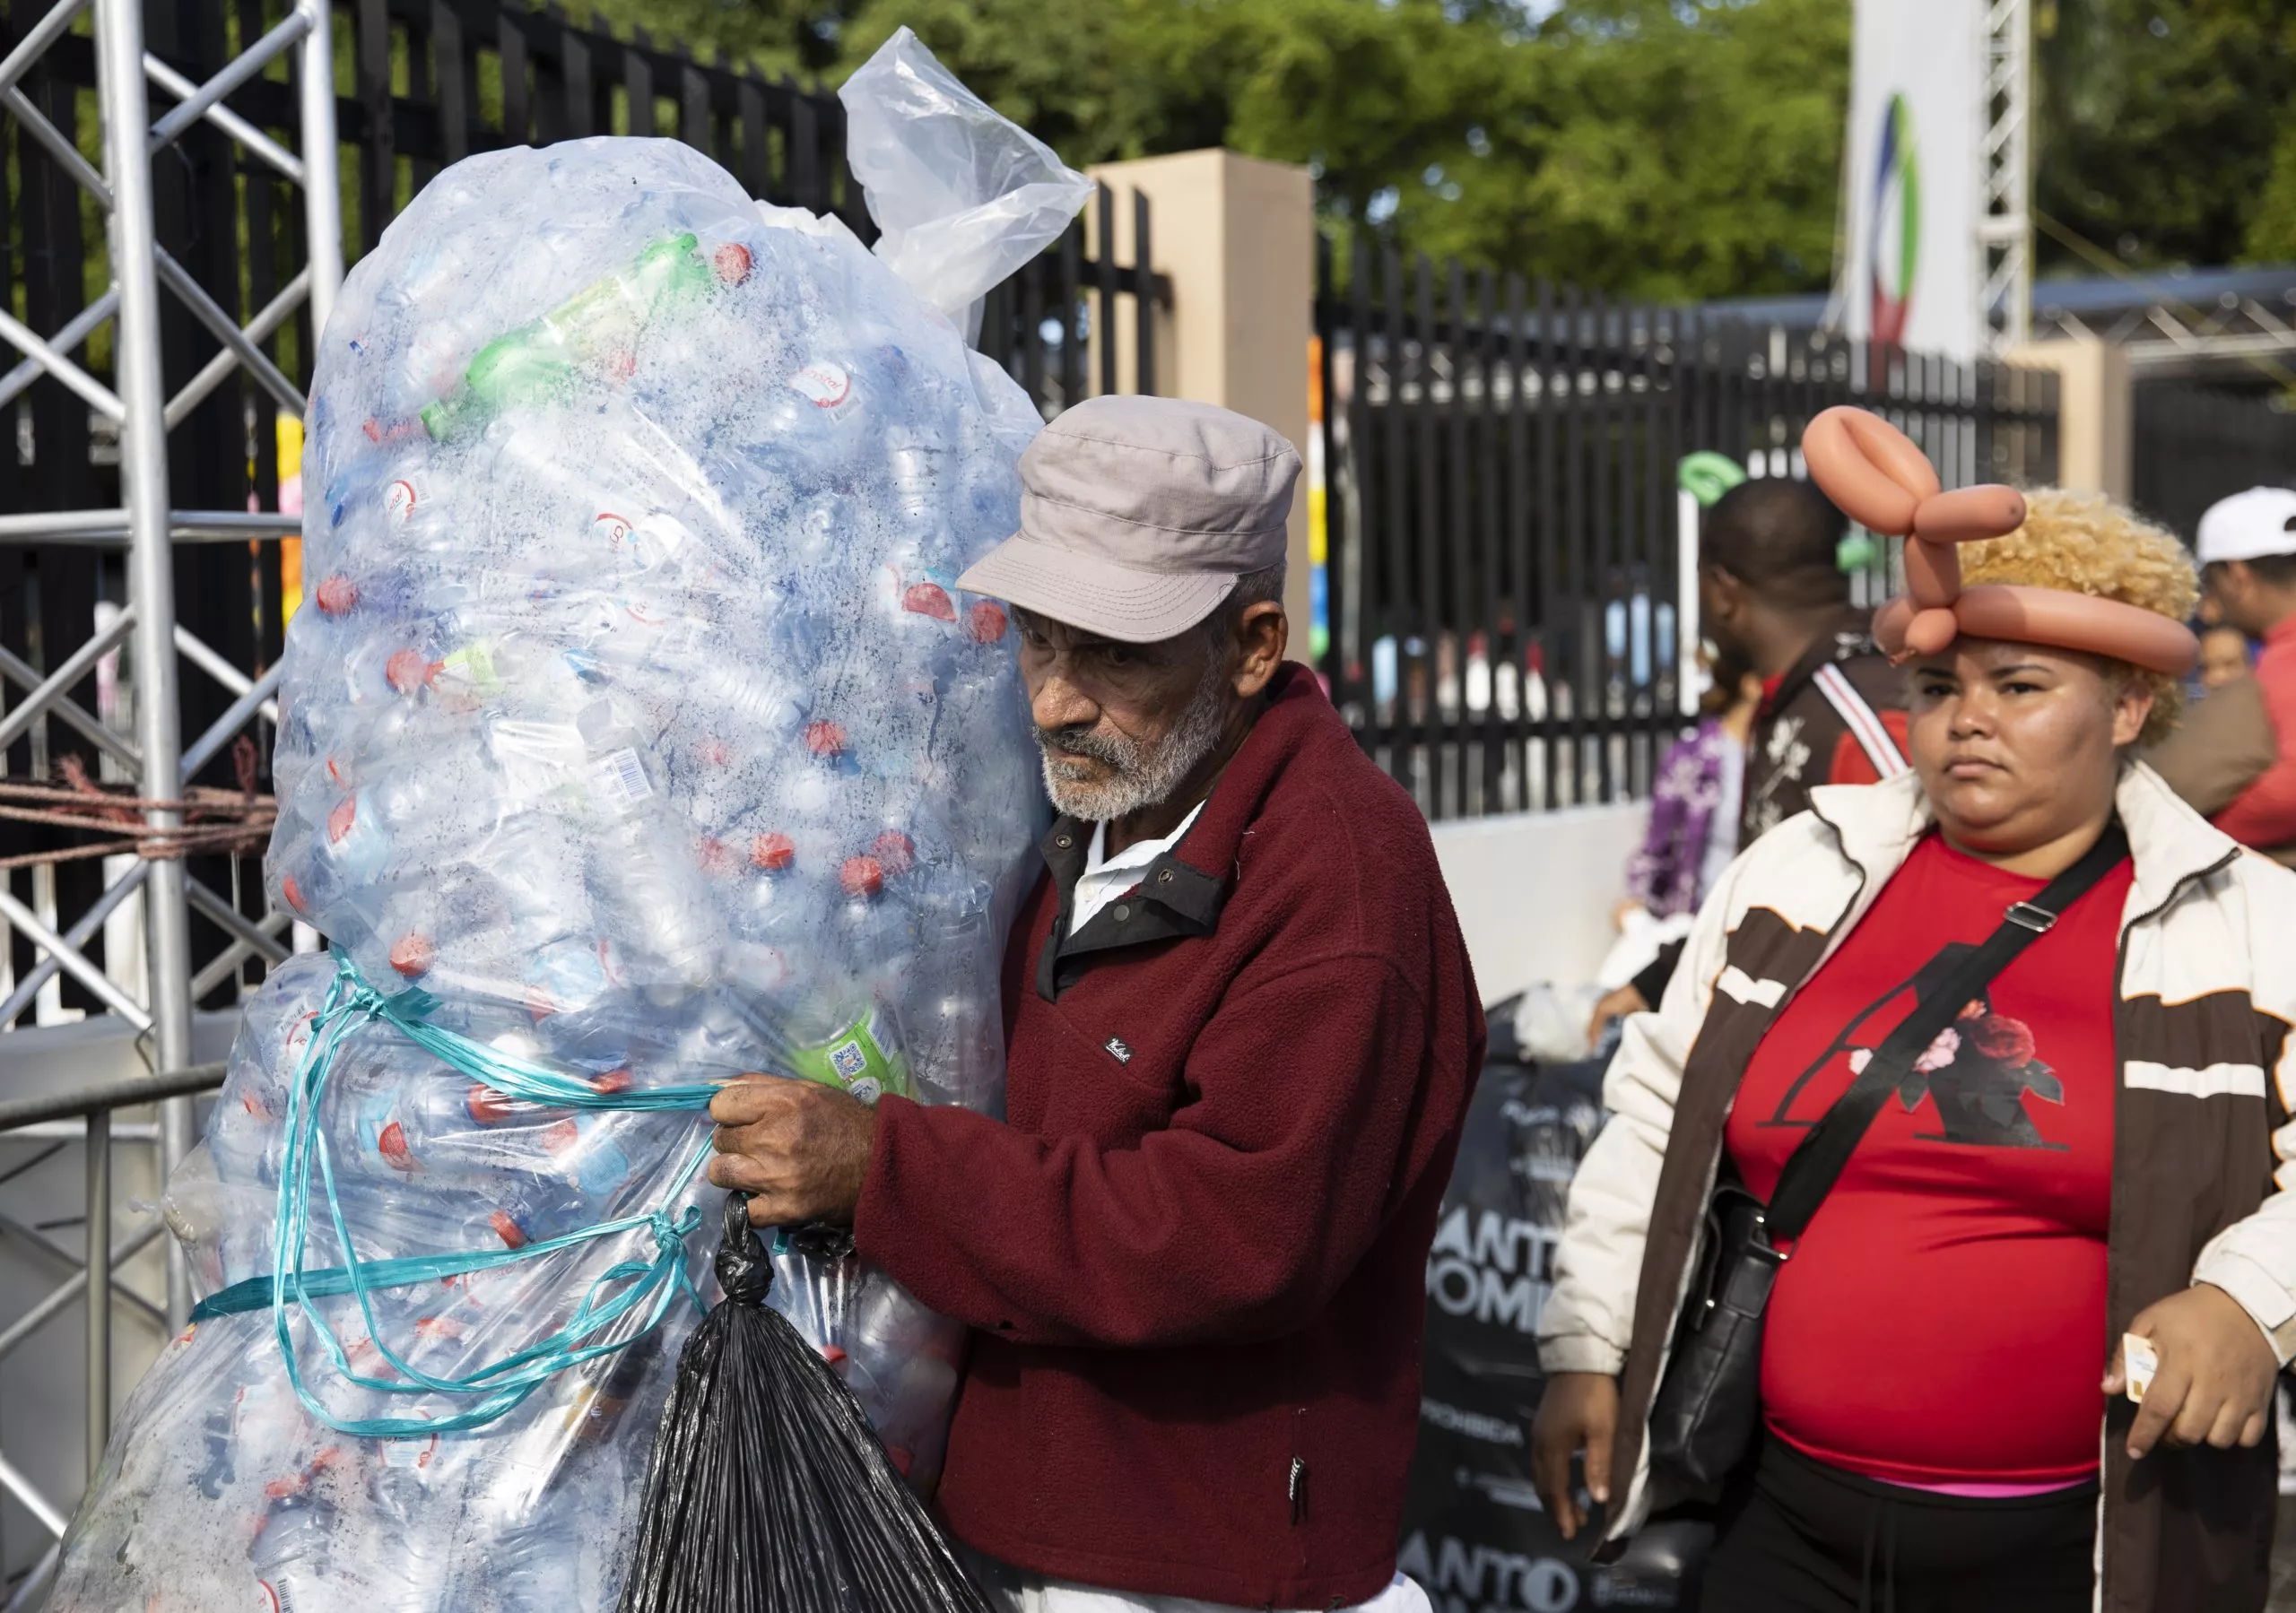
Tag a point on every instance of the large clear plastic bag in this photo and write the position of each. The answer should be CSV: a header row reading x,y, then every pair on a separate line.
x,y
634,733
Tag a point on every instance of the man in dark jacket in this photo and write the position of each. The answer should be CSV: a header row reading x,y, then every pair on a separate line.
x,y
1771,594
1241,1036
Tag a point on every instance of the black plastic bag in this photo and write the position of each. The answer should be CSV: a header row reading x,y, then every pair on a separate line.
x,y
768,1492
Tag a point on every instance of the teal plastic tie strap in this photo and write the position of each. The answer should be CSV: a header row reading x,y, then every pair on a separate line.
x,y
600,1325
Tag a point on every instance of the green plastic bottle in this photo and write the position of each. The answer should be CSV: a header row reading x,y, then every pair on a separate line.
x,y
862,1059
598,325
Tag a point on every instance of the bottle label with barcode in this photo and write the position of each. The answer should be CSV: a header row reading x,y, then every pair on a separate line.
x,y
618,780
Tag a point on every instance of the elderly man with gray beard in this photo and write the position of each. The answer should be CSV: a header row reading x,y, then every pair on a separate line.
x,y
1240,1032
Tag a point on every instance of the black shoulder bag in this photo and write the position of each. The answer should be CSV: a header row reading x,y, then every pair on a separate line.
x,y
1702,1421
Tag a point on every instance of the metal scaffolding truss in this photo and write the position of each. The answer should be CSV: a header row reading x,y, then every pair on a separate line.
x,y
2005,231
146,527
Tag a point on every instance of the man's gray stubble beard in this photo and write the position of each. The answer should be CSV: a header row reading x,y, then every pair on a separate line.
x,y
1143,775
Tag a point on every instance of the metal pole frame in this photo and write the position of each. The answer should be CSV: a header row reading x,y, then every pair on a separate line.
x,y
146,525
2005,243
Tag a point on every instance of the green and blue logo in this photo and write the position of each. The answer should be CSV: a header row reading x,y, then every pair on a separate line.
x,y
1894,251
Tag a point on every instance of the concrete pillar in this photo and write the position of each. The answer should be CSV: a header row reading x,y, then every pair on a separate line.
x,y
2096,420
1236,235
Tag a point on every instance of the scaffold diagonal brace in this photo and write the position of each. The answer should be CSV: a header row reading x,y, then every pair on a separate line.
x,y
27,341
53,691
74,962
226,330
245,67
237,127
83,325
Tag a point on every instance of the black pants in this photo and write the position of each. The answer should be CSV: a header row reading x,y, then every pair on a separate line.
x,y
1801,1536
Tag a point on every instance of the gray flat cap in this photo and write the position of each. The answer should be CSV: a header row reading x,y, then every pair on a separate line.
x,y
1138,514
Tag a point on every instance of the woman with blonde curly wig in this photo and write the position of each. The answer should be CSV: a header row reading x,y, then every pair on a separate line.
x,y
2083,1151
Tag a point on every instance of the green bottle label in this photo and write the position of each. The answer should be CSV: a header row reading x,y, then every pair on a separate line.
x,y
856,1060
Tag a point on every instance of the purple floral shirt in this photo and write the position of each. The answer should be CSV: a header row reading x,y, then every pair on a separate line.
x,y
1685,800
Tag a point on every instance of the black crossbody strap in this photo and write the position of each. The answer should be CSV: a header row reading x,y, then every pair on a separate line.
x,y
1817,1162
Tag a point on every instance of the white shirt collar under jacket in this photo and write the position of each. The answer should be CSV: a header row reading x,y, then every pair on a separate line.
x,y
1104,880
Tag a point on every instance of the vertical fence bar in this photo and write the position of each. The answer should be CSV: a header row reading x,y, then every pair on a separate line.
x,y
1461,765
757,160
1491,470
453,83
1398,588
809,177
693,107
1575,656
378,156
1518,569
1547,669
1104,313
1353,581
98,1275
1605,698
637,82
1144,296
517,106
1427,542
1072,347
1031,278
1461,769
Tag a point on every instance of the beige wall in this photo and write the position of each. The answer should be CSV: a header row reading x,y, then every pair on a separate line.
x,y
2096,424
1237,236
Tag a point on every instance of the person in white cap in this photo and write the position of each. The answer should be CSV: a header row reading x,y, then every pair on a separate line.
x,y
1240,1035
2247,556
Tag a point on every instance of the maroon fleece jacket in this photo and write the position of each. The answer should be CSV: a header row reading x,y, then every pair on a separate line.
x,y
1193,1254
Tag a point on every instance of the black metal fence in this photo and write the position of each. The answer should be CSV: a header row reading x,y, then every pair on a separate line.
x,y
1504,568
420,84
2197,443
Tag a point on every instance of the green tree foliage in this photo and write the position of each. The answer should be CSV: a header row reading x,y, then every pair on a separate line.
x,y
2168,130
1668,150
1673,149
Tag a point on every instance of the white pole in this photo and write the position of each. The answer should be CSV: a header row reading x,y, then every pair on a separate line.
x,y
1689,679
151,559
322,172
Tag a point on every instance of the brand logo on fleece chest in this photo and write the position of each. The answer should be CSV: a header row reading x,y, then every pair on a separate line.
x,y
1118,1050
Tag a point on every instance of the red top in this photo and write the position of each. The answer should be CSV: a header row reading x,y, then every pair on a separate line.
x,y
2264,815
1195,1252
1941,1320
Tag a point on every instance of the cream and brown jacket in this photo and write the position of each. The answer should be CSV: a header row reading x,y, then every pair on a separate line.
x,y
2203,1152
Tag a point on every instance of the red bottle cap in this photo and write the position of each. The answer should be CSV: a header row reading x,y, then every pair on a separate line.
x,y
986,622
732,261
392,1145
929,599
861,876
407,671
896,851
293,892
340,821
507,1228
824,738
337,595
412,954
612,1081
490,1107
772,851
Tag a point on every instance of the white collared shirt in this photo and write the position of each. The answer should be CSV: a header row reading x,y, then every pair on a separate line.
x,y
1105,878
